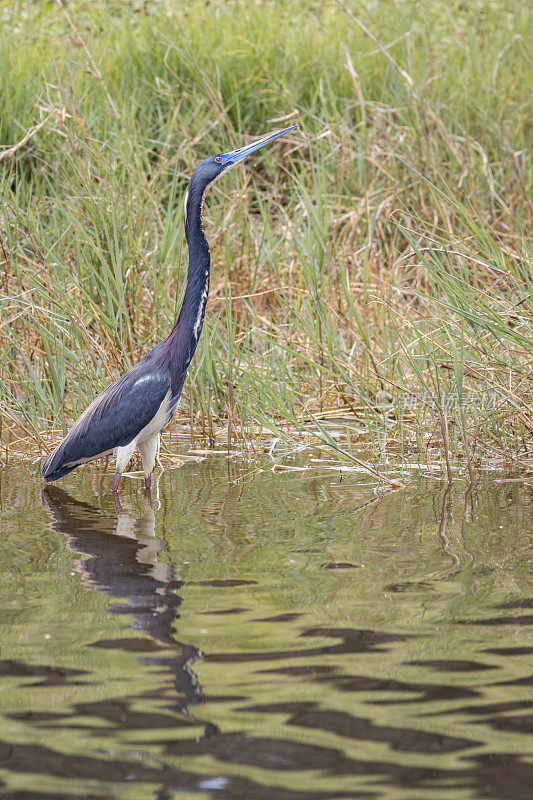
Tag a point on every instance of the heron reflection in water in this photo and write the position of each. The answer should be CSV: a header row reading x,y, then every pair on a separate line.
x,y
119,556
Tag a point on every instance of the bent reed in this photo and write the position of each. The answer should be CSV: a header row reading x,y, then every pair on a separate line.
x,y
372,295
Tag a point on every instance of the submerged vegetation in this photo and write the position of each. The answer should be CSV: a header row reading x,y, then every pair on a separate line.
x,y
374,271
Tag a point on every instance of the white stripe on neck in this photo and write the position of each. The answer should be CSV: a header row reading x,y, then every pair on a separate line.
x,y
203,299
185,204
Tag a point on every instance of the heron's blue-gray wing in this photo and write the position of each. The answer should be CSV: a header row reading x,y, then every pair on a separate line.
x,y
112,420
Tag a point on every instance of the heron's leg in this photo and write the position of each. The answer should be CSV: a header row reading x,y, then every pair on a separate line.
x,y
116,498
115,492
148,450
123,456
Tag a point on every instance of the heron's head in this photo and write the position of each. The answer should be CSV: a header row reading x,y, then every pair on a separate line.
x,y
215,166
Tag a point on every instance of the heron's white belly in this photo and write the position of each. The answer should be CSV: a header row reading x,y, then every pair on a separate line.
x,y
162,418
149,432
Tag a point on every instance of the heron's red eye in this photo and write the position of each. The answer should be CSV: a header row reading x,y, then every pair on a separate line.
x,y
219,159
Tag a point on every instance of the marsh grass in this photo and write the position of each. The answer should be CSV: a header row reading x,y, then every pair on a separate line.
x,y
371,289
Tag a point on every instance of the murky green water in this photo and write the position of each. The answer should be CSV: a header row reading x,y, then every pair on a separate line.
x,y
288,636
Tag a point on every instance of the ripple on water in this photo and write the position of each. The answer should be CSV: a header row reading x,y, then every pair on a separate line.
x,y
230,644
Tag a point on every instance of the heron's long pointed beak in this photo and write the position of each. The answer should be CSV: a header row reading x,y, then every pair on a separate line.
x,y
234,156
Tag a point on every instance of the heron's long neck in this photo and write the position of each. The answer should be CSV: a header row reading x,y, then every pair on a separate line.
x,y
186,333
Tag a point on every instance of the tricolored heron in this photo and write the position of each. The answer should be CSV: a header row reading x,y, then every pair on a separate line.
x,y
130,413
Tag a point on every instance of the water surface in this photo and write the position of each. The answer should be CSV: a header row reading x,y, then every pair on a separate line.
x,y
286,636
